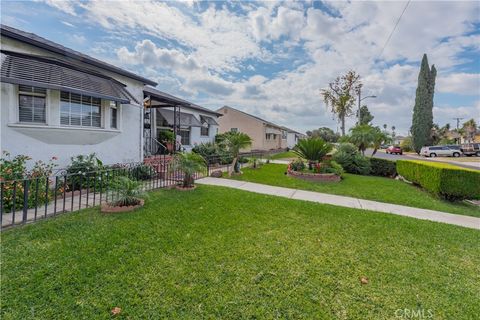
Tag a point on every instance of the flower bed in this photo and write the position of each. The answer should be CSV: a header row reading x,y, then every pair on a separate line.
x,y
310,176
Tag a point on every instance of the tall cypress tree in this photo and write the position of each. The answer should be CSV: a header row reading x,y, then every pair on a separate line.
x,y
422,121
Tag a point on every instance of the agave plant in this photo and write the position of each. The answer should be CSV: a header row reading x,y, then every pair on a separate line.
x,y
128,191
312,149
189,163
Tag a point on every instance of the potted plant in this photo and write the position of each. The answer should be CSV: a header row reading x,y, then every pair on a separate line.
x,y
167,137
128,192
188,163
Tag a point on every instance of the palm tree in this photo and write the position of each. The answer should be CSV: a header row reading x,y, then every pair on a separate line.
x,y
312,149
234,142
362,136
379,137
188,163
385,126
470,127
393,132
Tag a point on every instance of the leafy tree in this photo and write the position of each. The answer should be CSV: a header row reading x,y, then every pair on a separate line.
x,y
362,137
422,121
189,163
406,144
469,128
365,116
340,96
312,149
324,133
234,142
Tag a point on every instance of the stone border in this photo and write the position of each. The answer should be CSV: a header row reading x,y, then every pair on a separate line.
x,y
318,177
180,188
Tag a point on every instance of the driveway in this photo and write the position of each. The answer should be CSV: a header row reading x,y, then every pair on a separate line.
x,y
473,164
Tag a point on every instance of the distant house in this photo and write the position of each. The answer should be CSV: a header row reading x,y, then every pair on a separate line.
x,y
398,140
266,135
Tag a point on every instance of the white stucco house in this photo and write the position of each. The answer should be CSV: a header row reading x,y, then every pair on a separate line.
x,y
292,137
57,102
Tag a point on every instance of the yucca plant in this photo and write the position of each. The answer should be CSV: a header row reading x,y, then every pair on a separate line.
x,y
128,191
189,163
312,150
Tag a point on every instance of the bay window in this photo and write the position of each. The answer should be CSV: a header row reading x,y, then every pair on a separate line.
x,y
80,110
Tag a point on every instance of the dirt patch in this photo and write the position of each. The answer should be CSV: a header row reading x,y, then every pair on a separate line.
x,y
108,208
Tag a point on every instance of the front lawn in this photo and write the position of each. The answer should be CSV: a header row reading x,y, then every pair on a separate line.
x,y
364,187
230,254
283,155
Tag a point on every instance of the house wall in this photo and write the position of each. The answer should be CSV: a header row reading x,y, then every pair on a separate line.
x,y
291,139
43,141
253,127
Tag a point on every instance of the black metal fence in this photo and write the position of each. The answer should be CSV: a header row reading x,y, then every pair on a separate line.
x,y
34,198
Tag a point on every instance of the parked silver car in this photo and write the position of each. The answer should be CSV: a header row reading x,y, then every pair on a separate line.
x,y
439,151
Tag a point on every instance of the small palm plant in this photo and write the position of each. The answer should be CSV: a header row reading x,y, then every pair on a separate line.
x,y
234,142
312,149
189,163
128,191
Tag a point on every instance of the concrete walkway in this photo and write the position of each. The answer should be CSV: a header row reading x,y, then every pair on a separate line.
x,y
424,214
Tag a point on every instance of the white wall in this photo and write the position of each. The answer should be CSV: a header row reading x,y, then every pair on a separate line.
x,y
43,141
291,141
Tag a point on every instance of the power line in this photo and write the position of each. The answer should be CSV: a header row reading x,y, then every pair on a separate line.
x,y
393,30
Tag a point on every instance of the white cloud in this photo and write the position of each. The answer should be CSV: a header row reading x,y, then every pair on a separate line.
x,y
460,83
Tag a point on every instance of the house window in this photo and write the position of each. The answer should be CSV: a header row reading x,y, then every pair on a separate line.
x,y
31,104
204,130
267,136
284,134
234,129
185,135
80,110
113,115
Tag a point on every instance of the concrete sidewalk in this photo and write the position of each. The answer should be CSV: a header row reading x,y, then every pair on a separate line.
x,y
349,202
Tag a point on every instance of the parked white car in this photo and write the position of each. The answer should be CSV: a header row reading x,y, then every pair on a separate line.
x,y
439,151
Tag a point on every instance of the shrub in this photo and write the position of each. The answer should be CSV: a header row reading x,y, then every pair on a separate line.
x,y
312,149
351,160
297,165
81,171
37,180
407,145
331,167
383,167
213,153
142,172
447,181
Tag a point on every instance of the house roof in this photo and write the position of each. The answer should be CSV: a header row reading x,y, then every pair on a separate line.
x,y
167,98
263,120
37,41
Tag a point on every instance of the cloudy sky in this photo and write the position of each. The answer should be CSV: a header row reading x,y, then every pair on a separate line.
x,y
272,58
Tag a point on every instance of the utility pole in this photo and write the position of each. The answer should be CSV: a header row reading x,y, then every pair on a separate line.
x,y
360,99
458,121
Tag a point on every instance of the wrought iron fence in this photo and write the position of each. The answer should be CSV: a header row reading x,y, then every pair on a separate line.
x,y
28,200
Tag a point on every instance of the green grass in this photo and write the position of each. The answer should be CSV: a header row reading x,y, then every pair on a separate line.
x,y
218,253
363,187
284,155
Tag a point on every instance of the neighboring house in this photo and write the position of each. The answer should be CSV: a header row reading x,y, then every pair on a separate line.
x,y
398,140
59,102
191,123
292,138
265,134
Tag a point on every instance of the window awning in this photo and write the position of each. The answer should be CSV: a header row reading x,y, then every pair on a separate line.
x,y
186,119
53,73
208,120
272,130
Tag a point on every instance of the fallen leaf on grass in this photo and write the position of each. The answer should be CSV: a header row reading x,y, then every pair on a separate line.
x,y
116,311
363,280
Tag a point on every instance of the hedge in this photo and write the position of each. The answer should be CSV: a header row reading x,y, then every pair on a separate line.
x,y
445,180
383,167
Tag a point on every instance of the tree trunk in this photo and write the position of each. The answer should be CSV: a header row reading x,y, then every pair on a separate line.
x,y
232,167
187,181
343,125
374,151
